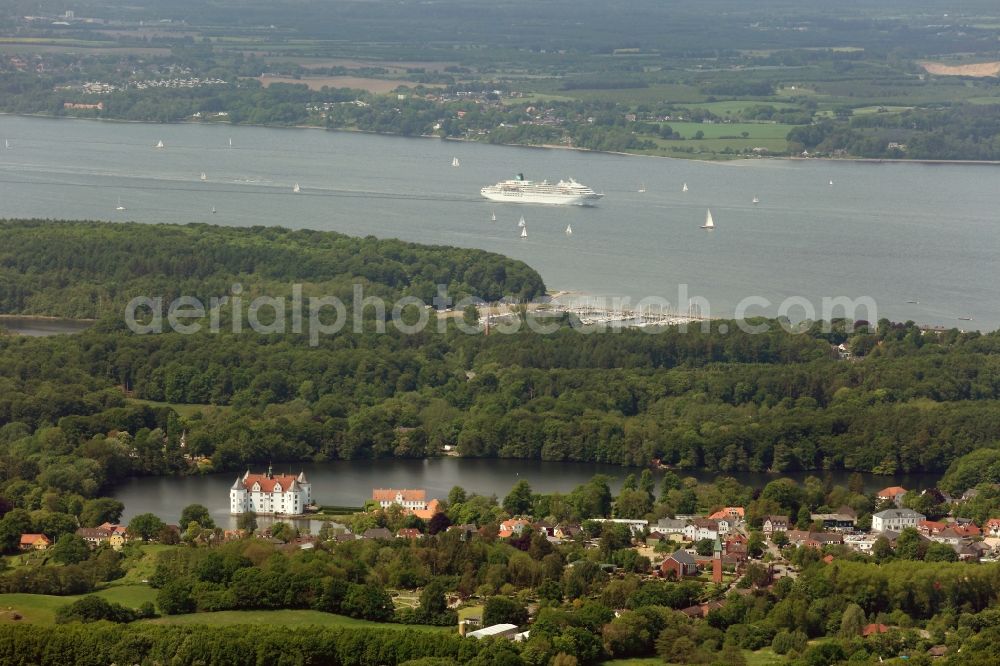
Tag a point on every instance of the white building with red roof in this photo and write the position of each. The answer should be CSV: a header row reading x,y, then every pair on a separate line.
x,y
413,500
270,494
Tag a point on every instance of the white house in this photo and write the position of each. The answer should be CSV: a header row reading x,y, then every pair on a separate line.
x,y
701,528
894,520
267,494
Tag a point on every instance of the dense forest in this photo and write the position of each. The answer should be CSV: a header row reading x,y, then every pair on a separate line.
x,y
88,270
909,401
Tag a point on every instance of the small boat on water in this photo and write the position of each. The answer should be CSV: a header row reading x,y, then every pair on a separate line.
x,y
524,232
159,144
493,216
521,222
203,177
296,189
709,222
455,162
831,183
755,200
969,318
6,144
230,142
119,207
684,188
213,210
569,230
642,188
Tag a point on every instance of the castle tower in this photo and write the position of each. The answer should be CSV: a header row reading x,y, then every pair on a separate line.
x,y
717,561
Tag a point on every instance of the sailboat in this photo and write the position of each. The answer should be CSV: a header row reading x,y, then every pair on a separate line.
x,y
685,188
709,222
569,230
230,142
521,223
755,199
455,162
296,189
159,144
203,177
642,188
493,216
213,210
119,207
6,144
831,183
524,232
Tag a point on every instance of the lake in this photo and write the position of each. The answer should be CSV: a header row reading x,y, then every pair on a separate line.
x,y
350,483
920,240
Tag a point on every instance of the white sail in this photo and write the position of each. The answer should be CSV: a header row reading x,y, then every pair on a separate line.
x,y
230,142
120,206
831,183
685,188
213,209
569,230
203,176
524,232
493,216
159,144
455,162
642,188
521,222
6,144
709,222
296,189
756,200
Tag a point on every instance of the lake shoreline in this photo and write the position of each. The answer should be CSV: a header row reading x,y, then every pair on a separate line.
x,y
544,146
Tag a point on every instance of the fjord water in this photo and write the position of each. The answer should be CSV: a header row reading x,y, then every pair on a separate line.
x,y
893,232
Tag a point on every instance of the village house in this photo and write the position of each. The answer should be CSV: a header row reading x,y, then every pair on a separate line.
x,y
862,543
892,494
409,533
894,520
270,494
414,500
34,542
701,528
673,528
734,514
774,524
512,527
992,527
566,531
94,536
843,519
376,533
680,563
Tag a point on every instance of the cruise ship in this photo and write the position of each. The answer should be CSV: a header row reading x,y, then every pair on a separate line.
x,y
519,190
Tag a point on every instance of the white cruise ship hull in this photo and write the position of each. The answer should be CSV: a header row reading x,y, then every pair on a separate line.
x,y
509,196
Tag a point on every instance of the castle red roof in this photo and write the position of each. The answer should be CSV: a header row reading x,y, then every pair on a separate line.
x,y
267,484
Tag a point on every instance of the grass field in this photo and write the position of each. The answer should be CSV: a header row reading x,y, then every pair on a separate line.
x,y
735,106
286,618
41,608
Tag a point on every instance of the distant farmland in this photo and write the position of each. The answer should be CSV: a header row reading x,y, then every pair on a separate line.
x,y
377,86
